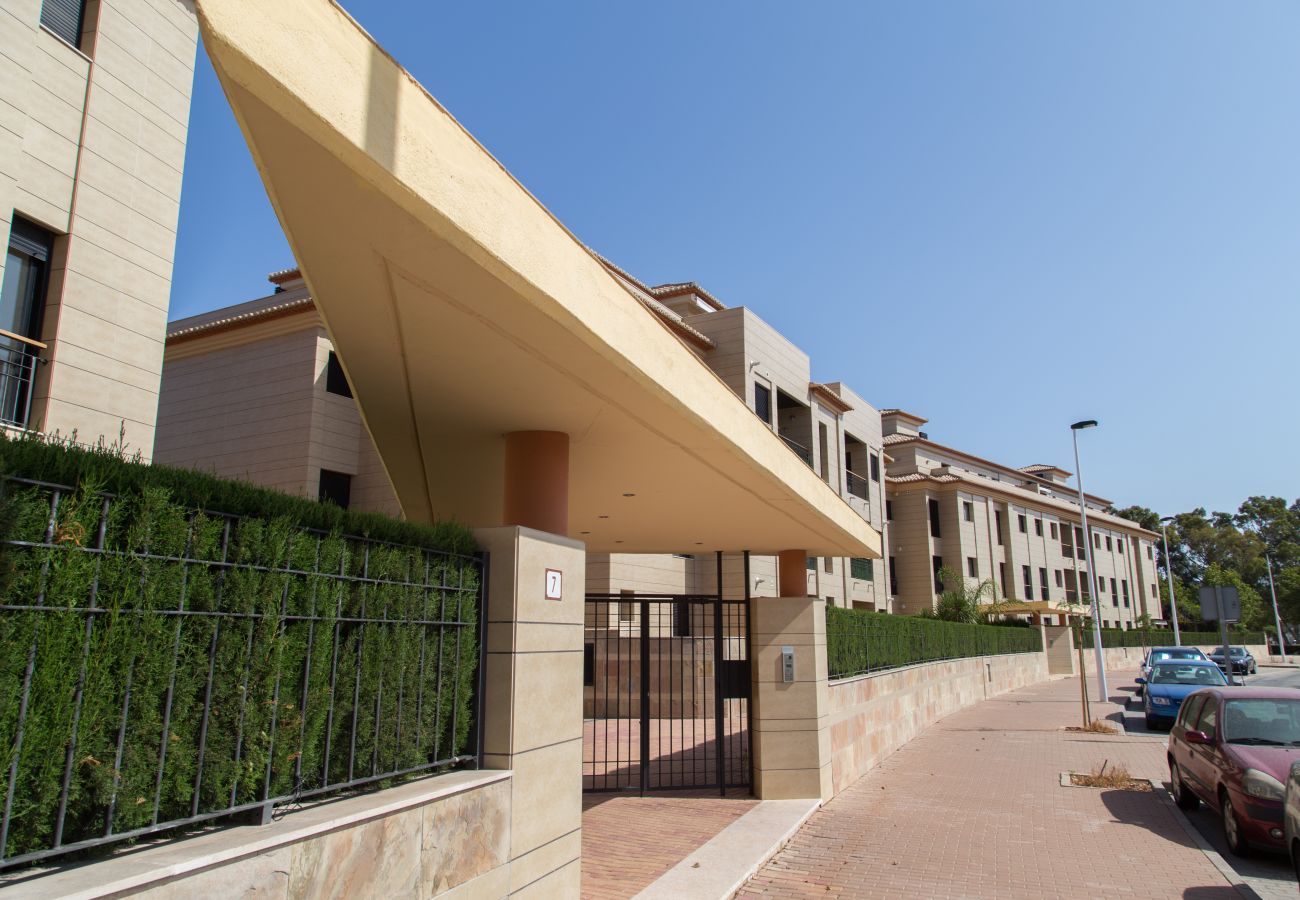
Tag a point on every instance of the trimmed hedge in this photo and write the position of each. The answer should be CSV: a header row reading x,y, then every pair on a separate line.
x,y
409,696
1137,637
858,642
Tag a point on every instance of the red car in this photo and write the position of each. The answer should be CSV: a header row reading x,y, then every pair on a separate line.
x,y
1233,748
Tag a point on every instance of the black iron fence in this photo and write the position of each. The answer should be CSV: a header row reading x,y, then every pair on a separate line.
x,y
859,642
161,667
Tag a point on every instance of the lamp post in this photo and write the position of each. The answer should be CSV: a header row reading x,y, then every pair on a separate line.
x,y
1102,690
1277,619
1169,576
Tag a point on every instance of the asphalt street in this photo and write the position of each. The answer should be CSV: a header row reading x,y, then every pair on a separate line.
x,y
1269,875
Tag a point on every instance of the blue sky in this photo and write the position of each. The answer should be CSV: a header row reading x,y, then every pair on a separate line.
x,y
1004,216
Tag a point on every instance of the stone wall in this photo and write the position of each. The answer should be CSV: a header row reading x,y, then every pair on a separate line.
x,y
873,715
1127,659
445,836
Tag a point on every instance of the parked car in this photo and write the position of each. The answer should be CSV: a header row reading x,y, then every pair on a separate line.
x,y
1233,748
1170,681
1291,817
1158,653
1242,661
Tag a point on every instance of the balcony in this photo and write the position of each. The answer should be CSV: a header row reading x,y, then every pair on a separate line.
x,y
858,486
799,449
18,361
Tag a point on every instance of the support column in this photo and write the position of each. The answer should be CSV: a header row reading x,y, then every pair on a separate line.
x,y
792,747
532,704
537,481
792,573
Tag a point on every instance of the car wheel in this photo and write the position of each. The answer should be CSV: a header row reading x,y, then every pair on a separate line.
x,y
1185,799
1232,826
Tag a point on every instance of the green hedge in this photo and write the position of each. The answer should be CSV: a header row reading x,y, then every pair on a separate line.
x,y
1116,637
859,641
291,557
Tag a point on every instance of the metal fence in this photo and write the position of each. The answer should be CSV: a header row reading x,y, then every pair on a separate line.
x,y
861,642
162,668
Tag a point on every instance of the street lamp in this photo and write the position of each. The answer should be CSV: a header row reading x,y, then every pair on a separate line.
x,y
1102,689
1169,575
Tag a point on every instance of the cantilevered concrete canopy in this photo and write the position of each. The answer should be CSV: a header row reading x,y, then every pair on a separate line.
x,y
463,311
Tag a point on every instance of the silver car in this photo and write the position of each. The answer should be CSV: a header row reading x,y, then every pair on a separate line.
x,y
1156,654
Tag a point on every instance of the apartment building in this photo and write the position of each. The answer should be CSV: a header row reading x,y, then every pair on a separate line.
x,y
1019,528
94,110
254,391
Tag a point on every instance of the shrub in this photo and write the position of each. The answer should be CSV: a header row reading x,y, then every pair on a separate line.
x,y
859,641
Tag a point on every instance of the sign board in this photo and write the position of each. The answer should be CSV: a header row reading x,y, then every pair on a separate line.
x,y
1216,598
554,584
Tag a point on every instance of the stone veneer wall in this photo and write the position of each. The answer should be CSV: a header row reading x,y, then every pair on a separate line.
x,y
1125,659
873,715
447,836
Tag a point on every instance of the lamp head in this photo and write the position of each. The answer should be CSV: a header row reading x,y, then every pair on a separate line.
x,y
1088,423
1164,519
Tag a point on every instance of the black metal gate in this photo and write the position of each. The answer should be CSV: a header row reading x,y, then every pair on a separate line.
x,y
666,687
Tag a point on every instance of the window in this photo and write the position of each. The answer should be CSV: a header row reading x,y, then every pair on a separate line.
x,y
1124,586
1119,544
1101,584
968,511
828,564
588,665
889,510
1096,541
997,523
875,467
812,564
1208,720
1108,547
335,487
934,519
1024,524
1149,556
22,305
1038,527
1029,582
1002,577
893,577
1187,715
64,18
681,619
1114,593
862,569
1060,580
1155,591
972,567
1042,582
763,402
824,451
937,561
1052,530
335,381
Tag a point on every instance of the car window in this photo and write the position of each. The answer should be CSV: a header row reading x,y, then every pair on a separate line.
x,y
1262,721
1207,721
1187,715
1237,651
1174,672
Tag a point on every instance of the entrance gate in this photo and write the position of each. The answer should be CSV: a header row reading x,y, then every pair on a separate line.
x,y
666,693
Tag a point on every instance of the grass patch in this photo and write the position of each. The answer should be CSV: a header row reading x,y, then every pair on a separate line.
x,y
1115,777
1096,726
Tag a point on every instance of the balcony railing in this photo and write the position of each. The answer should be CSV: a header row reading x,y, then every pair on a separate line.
x,y
799,449
858,486
18,361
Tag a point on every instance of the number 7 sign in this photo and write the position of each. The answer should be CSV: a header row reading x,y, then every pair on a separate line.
x,y
554,584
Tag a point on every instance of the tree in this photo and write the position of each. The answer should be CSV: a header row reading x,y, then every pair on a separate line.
x,y
961,601
1253,613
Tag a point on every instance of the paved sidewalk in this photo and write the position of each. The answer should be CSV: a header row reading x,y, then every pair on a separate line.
x,y
974,808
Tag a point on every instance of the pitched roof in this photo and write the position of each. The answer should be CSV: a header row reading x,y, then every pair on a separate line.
x,y
903,414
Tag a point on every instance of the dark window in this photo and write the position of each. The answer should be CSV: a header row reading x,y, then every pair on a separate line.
x,y
588,665
1208,720
1149,556
1119,544
1029,582
1038,527
64,18
893,576
997,524
812,564
1096,541
828,563
968,510
862,569
1054,533
336,487
1124,585
972,567
938,582
1114,593
1023,523
1002,575
335,381
1060,581
22,304
1101,584
1108,542
1042,582
681,619
763,402
934,519
889,510
875,467
1187,715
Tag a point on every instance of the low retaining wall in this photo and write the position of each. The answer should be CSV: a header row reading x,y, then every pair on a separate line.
x,y
447,836
873,715
1129,658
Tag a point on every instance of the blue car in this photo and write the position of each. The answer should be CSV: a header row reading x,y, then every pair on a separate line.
x,y
1171,680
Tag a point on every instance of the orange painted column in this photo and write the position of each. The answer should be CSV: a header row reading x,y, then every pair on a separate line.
x,y
792,573
537,481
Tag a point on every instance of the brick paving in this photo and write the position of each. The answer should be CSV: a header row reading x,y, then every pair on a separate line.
x,y
628,842
973,807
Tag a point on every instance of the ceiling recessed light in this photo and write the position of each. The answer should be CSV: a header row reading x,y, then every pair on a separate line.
x,y
584,532
629,495
618,542
602,517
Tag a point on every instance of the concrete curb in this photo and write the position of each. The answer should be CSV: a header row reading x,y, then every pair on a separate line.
x,y
1214,856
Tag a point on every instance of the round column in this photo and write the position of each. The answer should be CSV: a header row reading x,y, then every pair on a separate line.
x,y
537,481
792,573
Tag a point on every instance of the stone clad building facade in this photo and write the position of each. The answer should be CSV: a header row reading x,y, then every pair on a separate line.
x,y
94,111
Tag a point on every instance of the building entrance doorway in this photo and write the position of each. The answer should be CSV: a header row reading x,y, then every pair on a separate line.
x,y
666,693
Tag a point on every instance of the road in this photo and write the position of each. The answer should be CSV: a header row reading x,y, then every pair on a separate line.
x,y
1270,876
